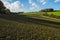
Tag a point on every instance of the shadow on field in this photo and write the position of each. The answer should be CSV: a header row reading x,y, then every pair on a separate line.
x,y
25,19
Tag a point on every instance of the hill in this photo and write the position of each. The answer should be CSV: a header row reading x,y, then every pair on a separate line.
x,y
21,30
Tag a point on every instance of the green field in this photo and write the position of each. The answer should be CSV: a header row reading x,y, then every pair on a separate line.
x,y
39,15
54,13
13,30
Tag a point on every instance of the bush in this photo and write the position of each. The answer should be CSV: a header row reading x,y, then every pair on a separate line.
x,y
7,11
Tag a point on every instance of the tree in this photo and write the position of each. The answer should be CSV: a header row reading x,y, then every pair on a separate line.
x,y
6,11
3,9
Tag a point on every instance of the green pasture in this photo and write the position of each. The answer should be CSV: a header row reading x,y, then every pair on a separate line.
x,y
54,13
39,15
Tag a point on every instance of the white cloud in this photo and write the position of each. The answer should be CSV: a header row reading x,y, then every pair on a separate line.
x,y
42,1
33,5
14,7
57,0
30,1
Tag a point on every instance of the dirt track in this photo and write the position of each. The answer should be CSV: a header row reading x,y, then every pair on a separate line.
x,y
25,19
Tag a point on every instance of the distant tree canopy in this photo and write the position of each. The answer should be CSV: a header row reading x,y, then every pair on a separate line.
x,y
3,9
47,10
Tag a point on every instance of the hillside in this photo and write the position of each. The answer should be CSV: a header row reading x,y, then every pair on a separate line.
x,y
14,29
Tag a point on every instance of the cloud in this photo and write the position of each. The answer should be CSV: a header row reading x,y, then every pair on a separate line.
x,y
57,0
30,1
14,7
42,1
34,6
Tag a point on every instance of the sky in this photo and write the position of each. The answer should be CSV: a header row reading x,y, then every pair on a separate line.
x,y
30,5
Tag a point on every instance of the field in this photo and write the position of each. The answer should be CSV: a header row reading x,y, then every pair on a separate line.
x,y
27,31
21,30
39,15
54,13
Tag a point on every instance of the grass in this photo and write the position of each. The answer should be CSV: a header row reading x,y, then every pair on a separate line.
x,y
54,13
39,15
13,30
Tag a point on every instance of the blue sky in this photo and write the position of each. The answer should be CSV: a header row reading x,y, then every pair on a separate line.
x,y
31,5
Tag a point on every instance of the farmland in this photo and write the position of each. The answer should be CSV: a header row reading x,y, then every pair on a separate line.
x,y
23,28
55,13
39,15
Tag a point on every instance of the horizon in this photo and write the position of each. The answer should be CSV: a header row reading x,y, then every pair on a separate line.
x,y
31,5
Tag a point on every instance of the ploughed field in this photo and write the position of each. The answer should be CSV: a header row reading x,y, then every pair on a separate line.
x,y
26,28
